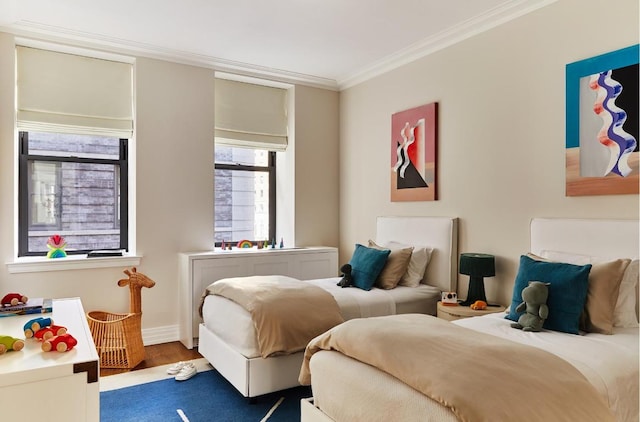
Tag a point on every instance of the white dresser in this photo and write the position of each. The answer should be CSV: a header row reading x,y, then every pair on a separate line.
x,y
53,386
199,269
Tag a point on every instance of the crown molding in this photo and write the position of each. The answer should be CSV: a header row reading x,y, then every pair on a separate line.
x,y
36,32
507,11
474,26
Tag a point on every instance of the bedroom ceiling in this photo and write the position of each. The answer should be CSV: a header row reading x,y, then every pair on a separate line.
x,y
330,43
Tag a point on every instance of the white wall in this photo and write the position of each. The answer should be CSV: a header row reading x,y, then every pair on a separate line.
x,y
174,160
501,147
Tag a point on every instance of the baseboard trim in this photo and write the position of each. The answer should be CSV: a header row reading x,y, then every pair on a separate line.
x,y
158,335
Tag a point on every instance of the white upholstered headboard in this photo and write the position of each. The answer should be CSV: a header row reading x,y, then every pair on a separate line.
x,y
599,238
605,239
440,233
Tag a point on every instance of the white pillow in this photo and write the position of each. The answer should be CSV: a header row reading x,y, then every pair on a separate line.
x,y
569,258
624,314
417,264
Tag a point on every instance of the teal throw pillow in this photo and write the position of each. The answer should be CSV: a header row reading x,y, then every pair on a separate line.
x,y
366,265
567,291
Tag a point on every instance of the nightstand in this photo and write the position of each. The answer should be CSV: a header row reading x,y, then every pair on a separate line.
x,y
451,313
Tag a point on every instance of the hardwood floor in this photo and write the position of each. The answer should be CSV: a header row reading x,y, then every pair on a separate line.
x,y
158,354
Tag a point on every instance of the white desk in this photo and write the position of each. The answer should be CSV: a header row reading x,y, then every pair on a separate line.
x,y
51,385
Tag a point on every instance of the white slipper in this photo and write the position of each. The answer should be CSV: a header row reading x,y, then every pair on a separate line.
x,y
175,368
187,371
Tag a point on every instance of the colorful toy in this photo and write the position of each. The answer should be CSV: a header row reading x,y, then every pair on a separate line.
x,y
244,244
36,324
61,343
56,245
12,299
478,305
48,332
10,343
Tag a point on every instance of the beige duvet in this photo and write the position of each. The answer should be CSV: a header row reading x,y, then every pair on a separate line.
x,y
286,312
477,376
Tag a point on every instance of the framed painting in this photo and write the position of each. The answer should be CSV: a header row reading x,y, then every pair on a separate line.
x,y
602,124
413,154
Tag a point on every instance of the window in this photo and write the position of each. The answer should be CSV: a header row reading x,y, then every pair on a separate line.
x,y
74,186
245,204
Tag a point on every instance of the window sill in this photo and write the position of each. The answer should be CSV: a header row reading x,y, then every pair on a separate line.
x,y
72,262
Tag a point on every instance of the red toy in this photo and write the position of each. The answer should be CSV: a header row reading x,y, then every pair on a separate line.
x,y
51,331
61,343
12,299
36,324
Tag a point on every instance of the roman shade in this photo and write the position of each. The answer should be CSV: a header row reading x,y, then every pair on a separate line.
x,y
67,93
250,115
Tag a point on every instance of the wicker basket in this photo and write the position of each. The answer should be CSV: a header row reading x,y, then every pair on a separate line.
x,y
118,338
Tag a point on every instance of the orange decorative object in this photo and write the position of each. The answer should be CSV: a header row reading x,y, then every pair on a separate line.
x,y
478,305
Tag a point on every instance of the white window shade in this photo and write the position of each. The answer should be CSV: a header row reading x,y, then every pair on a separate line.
x,y
249,115
67,93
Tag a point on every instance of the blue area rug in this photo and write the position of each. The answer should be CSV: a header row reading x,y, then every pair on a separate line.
x,y
205,397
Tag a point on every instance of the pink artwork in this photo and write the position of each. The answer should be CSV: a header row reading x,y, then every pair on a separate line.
x,y
413,154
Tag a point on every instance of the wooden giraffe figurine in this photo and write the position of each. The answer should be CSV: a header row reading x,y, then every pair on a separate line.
x,y
136,282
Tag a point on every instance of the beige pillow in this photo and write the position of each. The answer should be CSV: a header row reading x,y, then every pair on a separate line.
x,y
604,286
602,293
394,269
420,258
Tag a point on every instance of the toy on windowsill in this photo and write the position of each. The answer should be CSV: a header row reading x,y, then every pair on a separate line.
x,y
12,299
61,343
244,244
10,343
36,324
56,245
48,332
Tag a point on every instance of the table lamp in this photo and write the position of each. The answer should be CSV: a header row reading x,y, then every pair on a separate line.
x,y
476,266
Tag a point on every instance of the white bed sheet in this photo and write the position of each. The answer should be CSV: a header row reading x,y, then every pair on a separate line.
x,y
233,324
609,362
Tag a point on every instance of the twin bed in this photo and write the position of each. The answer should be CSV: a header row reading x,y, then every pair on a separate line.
x,y
597,374
227,335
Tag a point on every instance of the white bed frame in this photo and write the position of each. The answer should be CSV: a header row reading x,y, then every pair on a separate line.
x,y
605,239
257,376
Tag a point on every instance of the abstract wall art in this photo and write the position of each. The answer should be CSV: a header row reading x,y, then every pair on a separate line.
x,y
602,124
413,154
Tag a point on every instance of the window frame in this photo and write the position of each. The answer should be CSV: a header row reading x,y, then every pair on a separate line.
x,y
23,191
271,170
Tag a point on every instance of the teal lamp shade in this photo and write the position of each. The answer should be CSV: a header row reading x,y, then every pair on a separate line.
x,y
477,266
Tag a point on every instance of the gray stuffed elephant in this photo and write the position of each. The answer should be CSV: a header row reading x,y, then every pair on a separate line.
x,y
534,298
